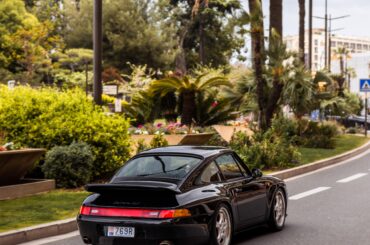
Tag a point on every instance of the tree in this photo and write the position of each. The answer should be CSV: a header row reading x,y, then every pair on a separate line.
x,y
210,31
258,56
13,17
302,15
299,91
134,31
75,60
341,53
276,17
188,90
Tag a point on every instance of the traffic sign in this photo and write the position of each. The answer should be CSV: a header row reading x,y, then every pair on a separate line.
x,y
365,85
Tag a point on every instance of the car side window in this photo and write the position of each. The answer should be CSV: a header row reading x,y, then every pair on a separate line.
x,y
229,167
244,168
211,174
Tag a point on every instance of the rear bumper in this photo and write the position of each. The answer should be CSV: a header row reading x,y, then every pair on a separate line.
x,y
92,230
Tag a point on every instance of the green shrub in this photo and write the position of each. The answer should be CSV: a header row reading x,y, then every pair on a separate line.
x,y
71,166
47,118
158,141
321,135
306,133
141,146
265,150
217,140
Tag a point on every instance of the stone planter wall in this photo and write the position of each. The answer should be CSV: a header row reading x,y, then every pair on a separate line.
x,y
15,164
177,139
226,132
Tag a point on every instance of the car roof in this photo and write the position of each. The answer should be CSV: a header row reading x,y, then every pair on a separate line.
x,y
202,151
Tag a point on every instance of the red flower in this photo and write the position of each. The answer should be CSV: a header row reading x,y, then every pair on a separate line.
x,y
214,104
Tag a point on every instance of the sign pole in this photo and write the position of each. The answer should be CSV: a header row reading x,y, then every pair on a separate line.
x,y
366,111
97,37
365,88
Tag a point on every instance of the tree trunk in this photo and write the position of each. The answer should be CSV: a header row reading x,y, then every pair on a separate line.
x,y
341,62
302,15
276,17
188,107
257,33
180,57
276,23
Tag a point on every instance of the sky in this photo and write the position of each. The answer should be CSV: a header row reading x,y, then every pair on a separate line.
x,y
358,24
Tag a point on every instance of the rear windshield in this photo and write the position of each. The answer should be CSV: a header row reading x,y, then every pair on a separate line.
x,y
175,167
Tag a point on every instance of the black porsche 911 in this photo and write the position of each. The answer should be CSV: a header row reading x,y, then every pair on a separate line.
x,y
181,195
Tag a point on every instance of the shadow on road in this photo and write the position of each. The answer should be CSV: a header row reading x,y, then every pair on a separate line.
x,y
251,234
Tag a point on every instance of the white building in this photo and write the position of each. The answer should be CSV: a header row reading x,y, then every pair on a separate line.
x,y
353,44
360,63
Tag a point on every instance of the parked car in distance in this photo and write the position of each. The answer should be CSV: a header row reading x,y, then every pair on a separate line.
x,y
181,195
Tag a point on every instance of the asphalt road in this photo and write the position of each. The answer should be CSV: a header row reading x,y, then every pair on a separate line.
x,y
326,207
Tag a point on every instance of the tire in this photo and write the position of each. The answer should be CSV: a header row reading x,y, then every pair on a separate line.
x,y
278,211
221,226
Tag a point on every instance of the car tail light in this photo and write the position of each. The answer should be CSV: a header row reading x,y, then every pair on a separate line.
x,y
135,213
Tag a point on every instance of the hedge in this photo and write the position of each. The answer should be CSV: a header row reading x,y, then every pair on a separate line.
x,y
46,118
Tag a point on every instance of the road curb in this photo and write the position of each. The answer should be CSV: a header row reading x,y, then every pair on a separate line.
x,y
37,232
292,172
69,225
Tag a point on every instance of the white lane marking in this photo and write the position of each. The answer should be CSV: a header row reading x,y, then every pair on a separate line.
x,y
308,193
329,167
52,239
351,178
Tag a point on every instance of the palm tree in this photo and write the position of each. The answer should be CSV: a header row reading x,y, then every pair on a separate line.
x,y
302,15
299,91
188,90
341,53
258,56
276,17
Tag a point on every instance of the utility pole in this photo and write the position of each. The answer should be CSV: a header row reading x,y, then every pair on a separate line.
x,y
326,34
310,36
98,39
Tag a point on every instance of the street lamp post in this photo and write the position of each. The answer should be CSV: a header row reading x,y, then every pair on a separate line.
x,y
310,36
97,40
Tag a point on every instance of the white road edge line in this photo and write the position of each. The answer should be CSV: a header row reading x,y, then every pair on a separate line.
x,y
52,239
351,178
329,167
308,193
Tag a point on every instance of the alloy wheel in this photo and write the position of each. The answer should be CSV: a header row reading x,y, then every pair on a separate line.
x,y
223,227
279,209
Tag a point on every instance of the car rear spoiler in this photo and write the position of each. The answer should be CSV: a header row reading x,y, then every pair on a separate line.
x,y
154,186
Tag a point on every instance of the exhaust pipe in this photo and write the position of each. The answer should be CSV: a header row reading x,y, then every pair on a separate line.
x,y
166,243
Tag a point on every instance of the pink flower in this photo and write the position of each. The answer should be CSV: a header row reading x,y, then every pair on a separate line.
x,y
159,125
214,104
140,126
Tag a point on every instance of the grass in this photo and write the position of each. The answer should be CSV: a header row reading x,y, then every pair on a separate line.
x,y
42,208
344,143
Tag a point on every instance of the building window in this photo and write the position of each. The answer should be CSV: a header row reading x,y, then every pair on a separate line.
x,y
340,44
346,45
316,50
353,46
316,57
316,42
366,47
333,44
359,46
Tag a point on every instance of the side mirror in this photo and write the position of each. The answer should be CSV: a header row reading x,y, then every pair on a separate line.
x,y
256,173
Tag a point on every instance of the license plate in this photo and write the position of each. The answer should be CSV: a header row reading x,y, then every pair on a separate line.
x,y
120,231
